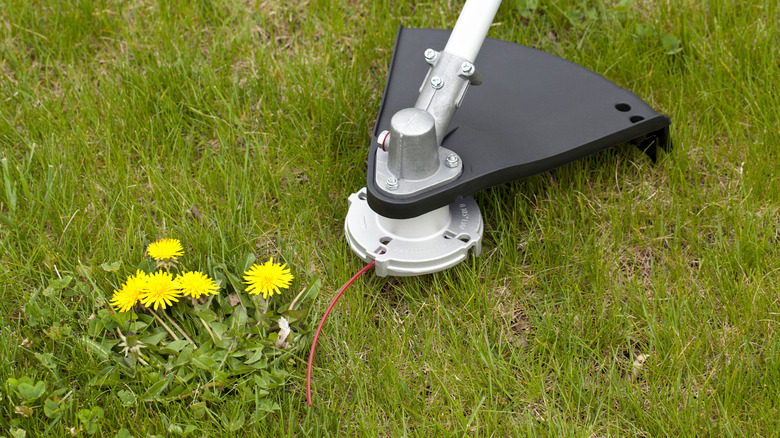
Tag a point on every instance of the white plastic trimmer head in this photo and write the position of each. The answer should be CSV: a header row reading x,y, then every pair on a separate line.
x,y
428,243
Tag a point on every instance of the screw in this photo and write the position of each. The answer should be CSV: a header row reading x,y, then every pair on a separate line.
x,y
431,55
392,183
467,68
437,82
453,160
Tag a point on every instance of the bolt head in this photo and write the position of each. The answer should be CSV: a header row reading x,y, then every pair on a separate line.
x,y
392,183
437,82
382,139
431,55
453,160
467,68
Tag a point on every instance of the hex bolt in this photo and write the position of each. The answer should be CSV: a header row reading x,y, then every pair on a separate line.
x,y
392,183
453,160
467,68
381,140
437,82
431,55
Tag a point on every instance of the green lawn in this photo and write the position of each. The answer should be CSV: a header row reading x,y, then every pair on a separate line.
x,y
614,296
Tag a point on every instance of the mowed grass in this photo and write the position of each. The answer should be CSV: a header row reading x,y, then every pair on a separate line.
x,y
614,296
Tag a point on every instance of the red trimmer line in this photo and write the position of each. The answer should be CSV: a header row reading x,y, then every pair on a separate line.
x,y
322,323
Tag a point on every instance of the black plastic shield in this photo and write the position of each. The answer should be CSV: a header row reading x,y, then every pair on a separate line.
x,y
533,112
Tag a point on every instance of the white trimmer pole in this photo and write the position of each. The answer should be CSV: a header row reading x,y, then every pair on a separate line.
x,y
472,28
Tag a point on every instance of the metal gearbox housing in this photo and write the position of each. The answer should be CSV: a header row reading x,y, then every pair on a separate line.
x,y
411,162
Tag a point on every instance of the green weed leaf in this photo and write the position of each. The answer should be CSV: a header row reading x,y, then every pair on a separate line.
x,y
249,260
623,5
198,410
28,391
90,419
18,433
204,362
671,44
47,360
235,423
311,294
123,433
127,397
174,347
101,350
238,286
155,338
10,189
111,267
147,266
85,271
156,389
255,357
267,406
526,7
60,283
177,429
293,316
52,409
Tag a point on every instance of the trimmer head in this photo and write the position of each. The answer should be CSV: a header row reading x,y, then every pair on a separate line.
x,y
532,112
432,242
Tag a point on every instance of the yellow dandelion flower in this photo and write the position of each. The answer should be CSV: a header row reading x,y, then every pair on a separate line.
x,y
267,278
194,284
161,290
165,249
127,296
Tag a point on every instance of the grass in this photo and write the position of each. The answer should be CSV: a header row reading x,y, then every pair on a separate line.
x,y
614,297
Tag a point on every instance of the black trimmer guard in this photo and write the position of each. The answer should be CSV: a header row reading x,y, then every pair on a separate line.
x,y
533,112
